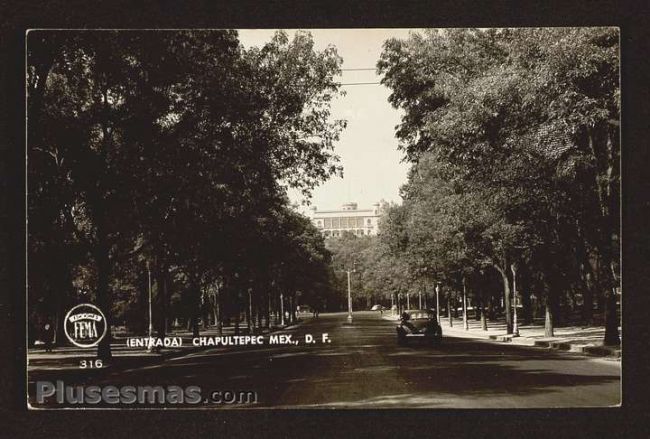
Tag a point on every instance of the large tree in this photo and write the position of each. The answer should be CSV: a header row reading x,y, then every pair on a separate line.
x,y
530,117
164,147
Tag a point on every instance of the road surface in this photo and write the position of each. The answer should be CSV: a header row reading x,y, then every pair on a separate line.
x,y
362,367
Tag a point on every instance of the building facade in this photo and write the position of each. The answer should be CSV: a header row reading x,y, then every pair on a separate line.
x,y
361,222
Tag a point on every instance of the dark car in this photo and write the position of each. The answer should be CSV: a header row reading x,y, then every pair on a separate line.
x,y
419,324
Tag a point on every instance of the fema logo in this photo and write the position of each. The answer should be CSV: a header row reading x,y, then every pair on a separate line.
x,y
85,325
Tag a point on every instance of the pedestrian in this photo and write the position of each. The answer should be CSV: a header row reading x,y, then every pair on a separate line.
x,y
48,337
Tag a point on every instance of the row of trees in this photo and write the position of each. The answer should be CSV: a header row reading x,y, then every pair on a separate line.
x,y
167,155
513,140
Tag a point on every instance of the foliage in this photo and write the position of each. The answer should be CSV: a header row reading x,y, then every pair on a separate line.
x,y
169,154
513,137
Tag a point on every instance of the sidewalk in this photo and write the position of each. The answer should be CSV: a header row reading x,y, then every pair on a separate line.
x,y
583,340
69,357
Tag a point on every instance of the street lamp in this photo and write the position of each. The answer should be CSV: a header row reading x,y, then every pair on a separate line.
x,y
465,322
349,296
438,302
349,293
515,328
281,309
150,311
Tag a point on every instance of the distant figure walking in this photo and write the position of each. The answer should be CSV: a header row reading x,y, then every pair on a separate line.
x,y
48,337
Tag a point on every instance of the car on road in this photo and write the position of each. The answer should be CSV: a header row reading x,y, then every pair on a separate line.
x,y
378,308
418,324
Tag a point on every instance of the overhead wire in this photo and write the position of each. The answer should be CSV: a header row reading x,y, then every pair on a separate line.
x,y
360,83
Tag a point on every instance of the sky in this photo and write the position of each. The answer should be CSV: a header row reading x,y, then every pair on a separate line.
x,y
372,168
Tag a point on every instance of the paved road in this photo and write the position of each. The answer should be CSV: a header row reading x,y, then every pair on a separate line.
x,y
363,367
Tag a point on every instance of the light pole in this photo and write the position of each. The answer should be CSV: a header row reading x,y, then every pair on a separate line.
x,y
438,302
150,312
420,298
465,323
349,296
281,309
349,293
515,328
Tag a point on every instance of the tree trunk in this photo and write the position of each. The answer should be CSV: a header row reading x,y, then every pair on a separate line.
x,y
548,321
276,309
161,287
217,306
237,311
213,309
604,143
491,314
465,322
611,320
587,295
104,301
249,311
103,263
196,307
62,304
506,296
267,320
484,325
526,304
292,311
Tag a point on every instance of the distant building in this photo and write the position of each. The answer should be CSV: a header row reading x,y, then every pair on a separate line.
x,y
361,222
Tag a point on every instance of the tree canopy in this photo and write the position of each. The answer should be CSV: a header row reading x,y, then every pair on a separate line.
x,y
174,151
513,136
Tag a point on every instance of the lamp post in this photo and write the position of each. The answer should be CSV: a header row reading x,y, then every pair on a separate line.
x,y
465,323
515,328
281,309
349,293
150,311
438,303
420,298
349,296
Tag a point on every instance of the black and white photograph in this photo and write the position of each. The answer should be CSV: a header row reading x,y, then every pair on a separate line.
x,y
352,218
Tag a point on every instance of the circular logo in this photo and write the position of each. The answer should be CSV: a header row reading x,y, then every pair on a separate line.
x,y
85,325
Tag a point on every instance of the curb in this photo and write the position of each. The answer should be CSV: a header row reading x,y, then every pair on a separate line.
x,y
589,350
602,351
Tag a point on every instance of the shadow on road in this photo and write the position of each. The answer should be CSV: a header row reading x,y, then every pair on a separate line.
x,y
363,367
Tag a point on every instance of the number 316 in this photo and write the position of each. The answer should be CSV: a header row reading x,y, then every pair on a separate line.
x,y
91,364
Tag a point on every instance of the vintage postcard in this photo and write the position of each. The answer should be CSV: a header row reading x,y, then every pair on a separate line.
x,y
323,218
